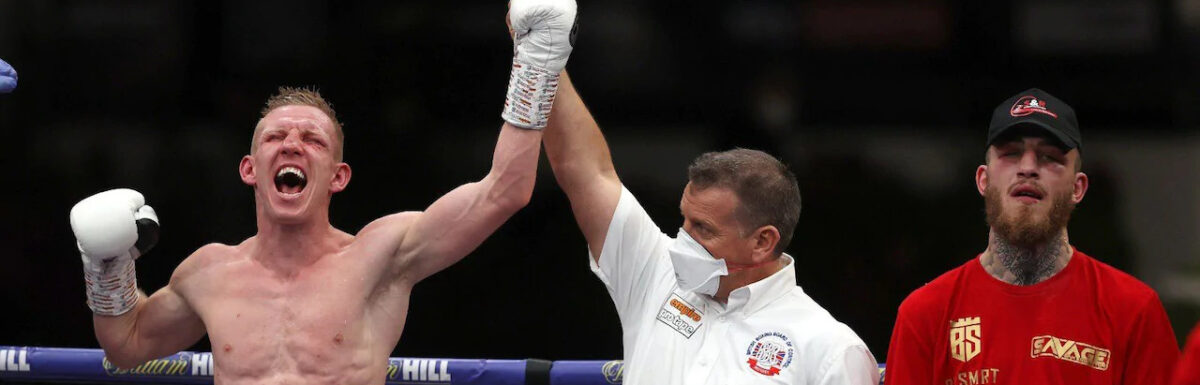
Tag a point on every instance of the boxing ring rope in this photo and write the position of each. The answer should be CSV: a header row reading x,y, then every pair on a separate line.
x,y
28,364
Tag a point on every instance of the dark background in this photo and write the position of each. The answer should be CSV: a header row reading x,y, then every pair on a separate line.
x,y
880,107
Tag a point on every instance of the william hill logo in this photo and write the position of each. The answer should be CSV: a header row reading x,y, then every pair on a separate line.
x,y
1067,350
418,370
14,360
965,335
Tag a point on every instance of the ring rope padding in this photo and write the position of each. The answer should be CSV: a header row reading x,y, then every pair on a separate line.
x,y
78,365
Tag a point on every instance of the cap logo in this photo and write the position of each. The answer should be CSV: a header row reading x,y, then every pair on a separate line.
x,y
1027,105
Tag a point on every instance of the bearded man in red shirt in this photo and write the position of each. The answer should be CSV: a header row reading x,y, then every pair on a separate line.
x,y
1032,309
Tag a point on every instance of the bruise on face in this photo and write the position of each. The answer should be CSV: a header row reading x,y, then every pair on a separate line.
x,y
309,134
1015,141
314,126
1047,153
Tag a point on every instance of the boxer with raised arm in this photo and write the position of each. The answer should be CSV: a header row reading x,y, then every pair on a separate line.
x,y
302,302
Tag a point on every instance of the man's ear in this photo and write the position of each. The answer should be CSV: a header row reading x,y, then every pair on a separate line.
x,y
981,179
246,170
763,242
341,178
1081,187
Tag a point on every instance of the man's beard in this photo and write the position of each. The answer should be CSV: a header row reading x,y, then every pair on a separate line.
x,y
1020,227
1024,238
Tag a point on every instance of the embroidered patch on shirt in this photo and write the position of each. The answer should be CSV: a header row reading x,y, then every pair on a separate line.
x,y
770,353
680,315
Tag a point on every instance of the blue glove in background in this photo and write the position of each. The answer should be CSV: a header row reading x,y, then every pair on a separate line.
x,y
8,77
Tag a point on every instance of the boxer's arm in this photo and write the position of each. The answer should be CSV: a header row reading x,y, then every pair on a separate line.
x,y
459,221
159,325
582,164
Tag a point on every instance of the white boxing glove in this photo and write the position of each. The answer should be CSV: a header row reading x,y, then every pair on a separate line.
x,y
543,36
112,229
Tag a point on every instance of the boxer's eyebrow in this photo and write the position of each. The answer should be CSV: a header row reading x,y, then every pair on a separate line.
x,y
315,129
314,134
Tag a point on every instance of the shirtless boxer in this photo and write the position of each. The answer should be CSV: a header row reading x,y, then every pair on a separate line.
x,y
301,301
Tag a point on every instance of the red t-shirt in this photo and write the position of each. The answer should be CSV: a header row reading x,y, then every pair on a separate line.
x,y
1188,372
1088,324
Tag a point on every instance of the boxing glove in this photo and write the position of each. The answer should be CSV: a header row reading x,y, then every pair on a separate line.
x,y
543,33
112,229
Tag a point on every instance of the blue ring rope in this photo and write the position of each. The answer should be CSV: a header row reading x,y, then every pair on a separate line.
x,y
90,365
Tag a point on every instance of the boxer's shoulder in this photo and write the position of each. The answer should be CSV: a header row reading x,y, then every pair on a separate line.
x,y
388,225
205,258
191,272
216,253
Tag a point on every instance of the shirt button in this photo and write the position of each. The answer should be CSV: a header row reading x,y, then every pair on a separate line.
x,y
721,318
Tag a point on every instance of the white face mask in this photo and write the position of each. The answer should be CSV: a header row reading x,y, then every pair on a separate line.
x,y
695,269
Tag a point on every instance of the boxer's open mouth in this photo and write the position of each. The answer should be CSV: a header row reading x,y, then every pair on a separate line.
x,y
290,180
1027,194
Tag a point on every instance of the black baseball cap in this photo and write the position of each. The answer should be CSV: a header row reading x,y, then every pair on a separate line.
x,y
1037,108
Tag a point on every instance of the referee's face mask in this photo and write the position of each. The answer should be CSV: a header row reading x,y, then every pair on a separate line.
x,y
708,216
696,270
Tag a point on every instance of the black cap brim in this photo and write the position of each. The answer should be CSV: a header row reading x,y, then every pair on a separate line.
x,y
1058,134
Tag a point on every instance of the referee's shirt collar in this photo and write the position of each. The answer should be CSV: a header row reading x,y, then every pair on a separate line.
x,y
753,297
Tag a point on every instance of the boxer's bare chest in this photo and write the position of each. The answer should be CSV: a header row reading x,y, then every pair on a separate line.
x,y
318,323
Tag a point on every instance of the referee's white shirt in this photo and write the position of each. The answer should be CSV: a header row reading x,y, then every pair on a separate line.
x,y
770,332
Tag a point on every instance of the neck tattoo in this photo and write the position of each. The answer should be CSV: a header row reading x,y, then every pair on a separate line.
x,y
1023,266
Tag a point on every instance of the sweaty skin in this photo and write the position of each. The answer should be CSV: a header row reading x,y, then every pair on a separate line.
x,y
328,322
302,302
